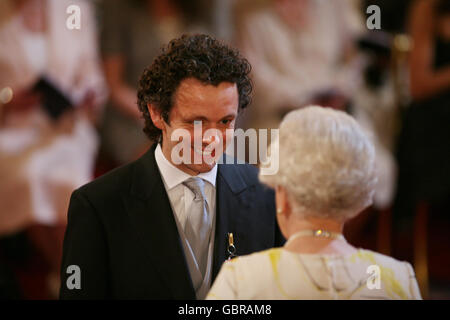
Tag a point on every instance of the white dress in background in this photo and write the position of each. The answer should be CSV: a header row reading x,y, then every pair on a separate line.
x,y
37,178
289,67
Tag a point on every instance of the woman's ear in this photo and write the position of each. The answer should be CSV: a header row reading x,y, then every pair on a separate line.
x,y
155,114
283,211
282,201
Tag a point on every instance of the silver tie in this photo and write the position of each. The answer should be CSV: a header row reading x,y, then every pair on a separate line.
x,y
198,223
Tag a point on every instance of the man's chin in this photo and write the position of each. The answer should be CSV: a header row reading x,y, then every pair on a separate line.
x,y
200,168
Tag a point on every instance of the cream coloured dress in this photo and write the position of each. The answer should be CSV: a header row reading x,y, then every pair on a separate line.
x,y
280,274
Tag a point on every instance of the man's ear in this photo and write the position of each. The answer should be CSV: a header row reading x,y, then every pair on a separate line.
x,y
155,114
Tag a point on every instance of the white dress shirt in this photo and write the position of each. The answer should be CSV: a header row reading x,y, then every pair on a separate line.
x,y
181,198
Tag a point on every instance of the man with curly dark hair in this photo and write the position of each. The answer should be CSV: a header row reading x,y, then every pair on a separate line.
x,y
191,70
158,228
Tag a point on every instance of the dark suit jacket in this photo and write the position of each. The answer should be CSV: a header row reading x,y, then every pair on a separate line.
x,y
122,233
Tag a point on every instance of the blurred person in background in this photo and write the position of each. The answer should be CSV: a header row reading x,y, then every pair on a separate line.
x,y
301,52
43,158
423,147
132,34
326,177
375,108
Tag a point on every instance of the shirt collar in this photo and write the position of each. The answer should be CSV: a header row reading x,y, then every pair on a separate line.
x,y
173,176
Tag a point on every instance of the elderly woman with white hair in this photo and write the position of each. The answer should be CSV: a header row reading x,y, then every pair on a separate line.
x,y
326,176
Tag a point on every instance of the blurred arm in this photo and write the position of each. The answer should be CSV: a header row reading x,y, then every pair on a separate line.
x,y
123,97
114,41
90,72
425,82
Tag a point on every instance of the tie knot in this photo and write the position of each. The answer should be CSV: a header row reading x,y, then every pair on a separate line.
x,y
197,186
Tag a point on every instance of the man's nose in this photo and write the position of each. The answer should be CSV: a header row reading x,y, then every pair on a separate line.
x,y
211,136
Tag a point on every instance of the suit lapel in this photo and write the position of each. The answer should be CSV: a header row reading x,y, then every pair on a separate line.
x,y
151,214
230,187
149,209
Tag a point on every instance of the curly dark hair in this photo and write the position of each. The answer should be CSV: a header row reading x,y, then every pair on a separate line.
x,y
198,56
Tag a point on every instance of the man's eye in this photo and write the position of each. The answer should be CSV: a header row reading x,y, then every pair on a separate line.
x,y
225,121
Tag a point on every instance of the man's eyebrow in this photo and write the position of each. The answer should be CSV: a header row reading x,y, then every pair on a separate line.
x,y
231,115
203,118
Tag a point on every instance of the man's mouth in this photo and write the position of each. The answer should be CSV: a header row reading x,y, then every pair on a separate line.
x,y
204,152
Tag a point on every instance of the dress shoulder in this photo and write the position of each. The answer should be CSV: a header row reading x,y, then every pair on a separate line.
x,y
397,277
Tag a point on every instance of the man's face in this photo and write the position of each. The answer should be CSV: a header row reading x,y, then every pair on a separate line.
x,y
215,107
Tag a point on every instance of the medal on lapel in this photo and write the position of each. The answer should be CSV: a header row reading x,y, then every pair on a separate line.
x,y
231,249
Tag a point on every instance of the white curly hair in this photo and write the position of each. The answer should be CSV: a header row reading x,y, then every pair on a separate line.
x,y
326,163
